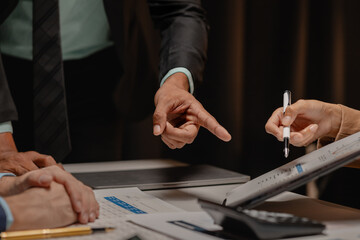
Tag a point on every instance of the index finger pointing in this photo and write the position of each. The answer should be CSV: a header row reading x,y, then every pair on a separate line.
x,y
206,120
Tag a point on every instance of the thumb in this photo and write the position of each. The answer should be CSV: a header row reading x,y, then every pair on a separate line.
x,y
289,116
36,178
159,119
44,180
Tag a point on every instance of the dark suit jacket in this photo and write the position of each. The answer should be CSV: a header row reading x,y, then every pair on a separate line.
x,y
2,219
183,32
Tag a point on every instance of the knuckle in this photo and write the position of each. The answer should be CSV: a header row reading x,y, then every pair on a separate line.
x,y
303,143
181,145
301,102
49,158
53,168
170,146
88,189
178,145
157,115
190,139
21,157
288,111
197,102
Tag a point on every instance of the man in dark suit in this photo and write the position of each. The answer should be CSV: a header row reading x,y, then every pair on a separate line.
x,y
96,36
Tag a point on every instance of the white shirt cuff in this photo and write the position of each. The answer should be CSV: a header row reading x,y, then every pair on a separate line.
x,y
6,127
184,71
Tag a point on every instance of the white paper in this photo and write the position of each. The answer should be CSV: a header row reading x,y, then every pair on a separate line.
x,y
132,196
112,215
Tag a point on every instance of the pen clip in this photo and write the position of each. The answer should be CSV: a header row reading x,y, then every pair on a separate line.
x,y
286,100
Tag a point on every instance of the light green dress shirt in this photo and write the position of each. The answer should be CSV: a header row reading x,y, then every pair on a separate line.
x,y
83,23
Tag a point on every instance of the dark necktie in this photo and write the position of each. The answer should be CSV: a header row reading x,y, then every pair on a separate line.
x,y
51,127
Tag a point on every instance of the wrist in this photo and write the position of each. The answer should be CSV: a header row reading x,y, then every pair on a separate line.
x,y
178,80
26,214
335,115
12,209
7,143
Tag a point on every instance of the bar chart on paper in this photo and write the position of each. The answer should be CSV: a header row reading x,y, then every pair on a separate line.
x,y
124,205
129,201
296,172
115,207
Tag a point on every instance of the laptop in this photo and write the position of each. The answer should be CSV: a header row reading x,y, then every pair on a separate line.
x,y
162,178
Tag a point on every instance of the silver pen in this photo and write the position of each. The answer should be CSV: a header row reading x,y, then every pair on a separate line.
x,y
286,130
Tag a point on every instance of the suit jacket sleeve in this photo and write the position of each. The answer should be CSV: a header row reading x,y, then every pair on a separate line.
x,y
7,106
184,35
2,218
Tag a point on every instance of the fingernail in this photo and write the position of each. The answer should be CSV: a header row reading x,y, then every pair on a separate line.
x,y
44,179
92,217
296,138
226,136
313,128
85,218
286,120
78,206
156,130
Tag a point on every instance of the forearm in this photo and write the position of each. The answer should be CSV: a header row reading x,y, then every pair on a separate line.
x,y
26,214
7,107
43,208
7,143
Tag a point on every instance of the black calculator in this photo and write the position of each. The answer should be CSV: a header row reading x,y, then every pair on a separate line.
x,y
260,224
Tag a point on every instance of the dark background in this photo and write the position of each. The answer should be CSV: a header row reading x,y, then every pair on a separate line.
x,y
258,49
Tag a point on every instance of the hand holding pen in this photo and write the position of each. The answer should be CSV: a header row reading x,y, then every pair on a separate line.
x,y
309,120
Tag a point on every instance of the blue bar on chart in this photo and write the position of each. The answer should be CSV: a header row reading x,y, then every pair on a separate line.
x,y
124,205
299,168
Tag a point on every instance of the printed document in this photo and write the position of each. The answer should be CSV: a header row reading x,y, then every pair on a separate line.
x,y
116,205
